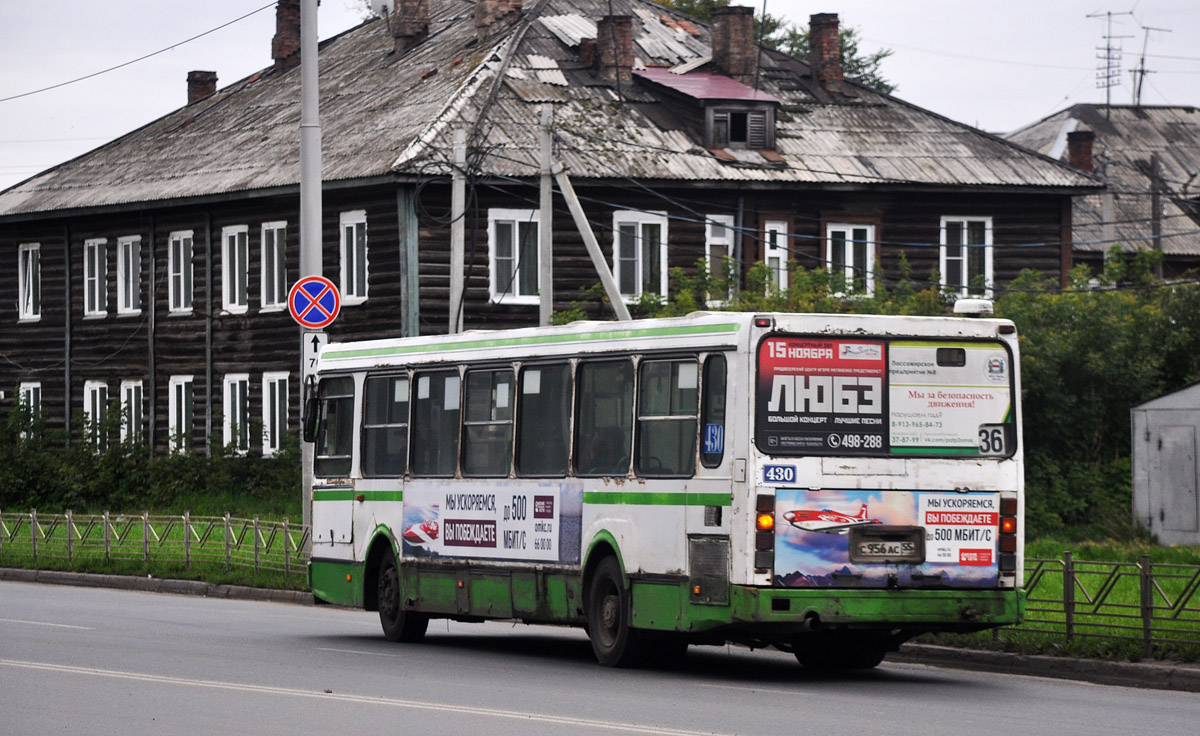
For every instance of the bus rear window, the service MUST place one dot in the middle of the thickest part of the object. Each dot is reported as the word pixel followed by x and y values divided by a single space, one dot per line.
pixel 852 396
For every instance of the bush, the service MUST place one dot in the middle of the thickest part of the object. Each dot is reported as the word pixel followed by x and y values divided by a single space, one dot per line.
pixel 1089 353
pixel 40 469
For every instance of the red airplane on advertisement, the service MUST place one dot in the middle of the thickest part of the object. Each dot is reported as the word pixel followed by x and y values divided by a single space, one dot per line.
pixel 827 521
pixel 421 534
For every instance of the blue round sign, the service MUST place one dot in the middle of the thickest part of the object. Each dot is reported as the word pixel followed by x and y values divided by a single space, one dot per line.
pixel 314 302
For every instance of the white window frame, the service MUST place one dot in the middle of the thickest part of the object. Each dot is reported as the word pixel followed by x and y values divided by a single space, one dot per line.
pixel 274 266
pixel 354 257
pixel 235 273
pixel 95 409
pixel 775 232
pixel 853 272
pixel 274 411
pixel 235 393
pixel 179 437
pixel 129 274
pixel 95 277
pixel 29 293
pixel 510 278
pixel 29 393
pixel 180 275
pixel 958 253
pixel 133 411
pixel 718 244
pixel 639 219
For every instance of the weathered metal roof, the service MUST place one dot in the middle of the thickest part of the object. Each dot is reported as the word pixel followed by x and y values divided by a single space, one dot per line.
pixel 385 113
pixel 1126 139
pixel 704 85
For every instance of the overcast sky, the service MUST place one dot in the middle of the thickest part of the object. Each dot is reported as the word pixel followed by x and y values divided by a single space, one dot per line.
pixel 997 65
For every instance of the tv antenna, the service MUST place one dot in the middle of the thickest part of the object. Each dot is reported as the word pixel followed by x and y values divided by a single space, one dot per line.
pixel 1139 74
pixel 1108 71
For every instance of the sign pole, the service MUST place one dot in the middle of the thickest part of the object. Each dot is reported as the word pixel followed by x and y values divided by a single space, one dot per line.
pixel 310 202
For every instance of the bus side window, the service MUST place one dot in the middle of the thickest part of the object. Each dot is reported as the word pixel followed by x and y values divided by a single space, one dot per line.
pixel 668 400
pixel 385 427
pixel 604 420
pixel 712 448
pixel 335 428
pixel 487 426
pixel 435 414
pixel 544 421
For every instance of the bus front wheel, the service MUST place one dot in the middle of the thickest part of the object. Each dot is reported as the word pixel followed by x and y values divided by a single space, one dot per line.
pixel 613 640
pixel 398 624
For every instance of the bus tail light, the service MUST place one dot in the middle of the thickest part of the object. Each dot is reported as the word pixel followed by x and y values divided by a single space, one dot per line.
pixel 1008 535
pixel 764 536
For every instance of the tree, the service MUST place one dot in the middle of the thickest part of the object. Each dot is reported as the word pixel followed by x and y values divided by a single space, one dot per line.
pixel 792 39
pixel 856 65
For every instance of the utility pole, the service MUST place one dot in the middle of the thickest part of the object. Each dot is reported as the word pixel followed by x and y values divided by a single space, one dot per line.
pixel 458 213
pixel 1139 74
pixel 310 203
pixel 1156 211
pixel 546 220
pixel 1108 75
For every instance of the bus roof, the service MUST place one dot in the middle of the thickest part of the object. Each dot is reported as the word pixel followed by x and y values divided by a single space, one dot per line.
pixel 699 330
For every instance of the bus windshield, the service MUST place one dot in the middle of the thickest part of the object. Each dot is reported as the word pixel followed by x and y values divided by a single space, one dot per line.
pixel 884 397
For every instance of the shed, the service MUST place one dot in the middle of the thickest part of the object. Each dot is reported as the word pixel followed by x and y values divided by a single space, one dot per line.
pixel 1165 467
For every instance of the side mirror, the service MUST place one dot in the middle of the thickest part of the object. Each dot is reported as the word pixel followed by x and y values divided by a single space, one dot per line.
pixel 311 419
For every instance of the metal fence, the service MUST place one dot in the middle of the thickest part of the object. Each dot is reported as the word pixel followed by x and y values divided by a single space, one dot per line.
pixel 252 543
pixel 1151 603
pixel 1155 604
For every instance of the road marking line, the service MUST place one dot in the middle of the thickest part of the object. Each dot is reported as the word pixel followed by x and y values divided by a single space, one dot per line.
pixel 525 716
pixel 355 651
pixel 44 623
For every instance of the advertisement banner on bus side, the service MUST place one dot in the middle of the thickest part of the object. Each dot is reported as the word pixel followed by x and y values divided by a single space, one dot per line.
pixel 954 534
pixel 496 521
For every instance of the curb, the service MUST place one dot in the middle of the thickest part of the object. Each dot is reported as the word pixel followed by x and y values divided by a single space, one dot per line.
pixel 1179 676
pixel 155 585
pixel 1159 676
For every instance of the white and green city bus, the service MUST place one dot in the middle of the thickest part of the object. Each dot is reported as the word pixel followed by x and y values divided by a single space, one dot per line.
pixel 830 485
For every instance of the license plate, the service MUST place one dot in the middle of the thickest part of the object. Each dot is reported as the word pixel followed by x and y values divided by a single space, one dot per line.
pixel 887 545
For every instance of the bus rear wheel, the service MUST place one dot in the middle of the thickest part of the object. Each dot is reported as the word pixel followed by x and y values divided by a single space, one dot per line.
pixel 614 642
pixel 398 624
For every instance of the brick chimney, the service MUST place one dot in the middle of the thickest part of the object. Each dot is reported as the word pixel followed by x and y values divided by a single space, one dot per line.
pixel 1079 150
pixel 733 48
pixel 614 48
pixel 285 46
pixel 490 14
pixel 410 23
pixel 825 51
pixel 201 85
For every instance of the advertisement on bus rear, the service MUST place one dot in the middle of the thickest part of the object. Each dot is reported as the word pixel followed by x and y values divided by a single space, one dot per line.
pixel 874 539
pixel 530 521
pixel 860 397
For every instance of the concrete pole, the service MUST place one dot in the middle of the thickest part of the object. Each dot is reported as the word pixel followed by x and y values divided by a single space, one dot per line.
pixel 458 207
pixel 546 222
pixel 310 202
pixel 593 247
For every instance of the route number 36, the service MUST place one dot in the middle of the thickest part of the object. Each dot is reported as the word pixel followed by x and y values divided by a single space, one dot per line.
pixel 991 439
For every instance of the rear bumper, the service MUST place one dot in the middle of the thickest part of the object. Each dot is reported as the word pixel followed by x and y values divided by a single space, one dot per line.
pixel 934 610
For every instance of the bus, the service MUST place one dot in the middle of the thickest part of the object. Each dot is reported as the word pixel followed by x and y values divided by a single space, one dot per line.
pixel 829 485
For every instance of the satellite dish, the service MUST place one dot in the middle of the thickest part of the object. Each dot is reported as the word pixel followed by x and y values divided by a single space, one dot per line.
pixel 382 7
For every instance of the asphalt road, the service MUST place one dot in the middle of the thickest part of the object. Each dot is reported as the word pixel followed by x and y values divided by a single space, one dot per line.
pixel 95 661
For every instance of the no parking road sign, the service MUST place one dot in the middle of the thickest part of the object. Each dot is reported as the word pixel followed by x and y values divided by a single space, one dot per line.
pixel 314 302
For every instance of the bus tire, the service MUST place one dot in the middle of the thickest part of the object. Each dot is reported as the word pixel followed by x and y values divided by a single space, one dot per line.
pixel 398 624
pixel 614 642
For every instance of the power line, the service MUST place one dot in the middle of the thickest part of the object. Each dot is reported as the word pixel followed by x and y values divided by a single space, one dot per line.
pixel 134 61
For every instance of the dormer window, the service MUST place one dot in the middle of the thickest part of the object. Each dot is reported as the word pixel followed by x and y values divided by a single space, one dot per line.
pixel 741 128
